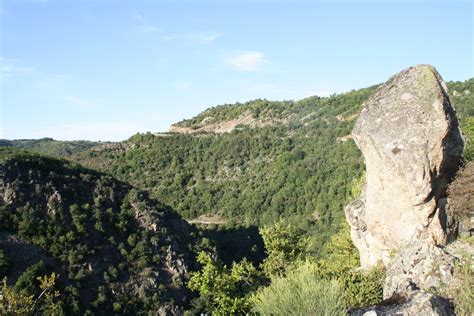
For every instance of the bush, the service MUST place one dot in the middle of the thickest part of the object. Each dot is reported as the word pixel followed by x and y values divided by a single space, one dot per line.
pixel 468 130
pixel 27 283
pixel 301 292
pixel 223 290
pixel 461 197
pixel 361 288
pixel 46 302
pixel 284 245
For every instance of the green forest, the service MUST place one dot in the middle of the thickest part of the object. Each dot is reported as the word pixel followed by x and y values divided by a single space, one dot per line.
pixel 302 171
pixel 49 146
pixel 209 223
pixel 104 239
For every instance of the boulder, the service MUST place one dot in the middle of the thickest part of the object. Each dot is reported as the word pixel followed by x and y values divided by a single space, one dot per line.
pixel 409 136
pixel 421 266
pixel 419 303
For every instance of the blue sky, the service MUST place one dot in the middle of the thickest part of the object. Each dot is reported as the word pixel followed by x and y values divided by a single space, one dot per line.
pixel 106 69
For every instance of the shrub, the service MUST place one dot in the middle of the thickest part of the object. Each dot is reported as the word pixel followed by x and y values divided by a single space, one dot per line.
pixel 27 283
pixel 223 290
pixel 361 288
pixel 468 130
pixel 301 292
pixel 46 302
pixel 461 197
pixel 284 245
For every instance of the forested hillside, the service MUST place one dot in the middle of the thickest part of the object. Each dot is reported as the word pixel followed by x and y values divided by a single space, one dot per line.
pixel 116 250
pixel 49 146
pixel 301 170
pixel 301 167
pixel 116 247
pixel 462 96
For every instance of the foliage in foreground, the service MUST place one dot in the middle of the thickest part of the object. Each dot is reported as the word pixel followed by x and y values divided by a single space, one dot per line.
pixel 284 245
pixel 301 292
pixel 224 289
pixel 14 302
pixel 338 266
pixel 227 290
pixel 361 288
pixel 290 277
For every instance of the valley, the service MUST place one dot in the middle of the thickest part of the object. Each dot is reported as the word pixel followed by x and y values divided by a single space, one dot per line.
pixel 128 219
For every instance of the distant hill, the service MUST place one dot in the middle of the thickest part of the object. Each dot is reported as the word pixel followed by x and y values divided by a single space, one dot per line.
pixel 299 165
pixel 49 146
pixel 117 250
pixel 291 159
pixel 226 118
pixel 104 225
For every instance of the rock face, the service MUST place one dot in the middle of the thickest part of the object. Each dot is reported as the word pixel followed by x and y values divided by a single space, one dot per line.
pixel 419 266
pixel 418 304
pixel 409 136
pixel 245 119
pixel 426 268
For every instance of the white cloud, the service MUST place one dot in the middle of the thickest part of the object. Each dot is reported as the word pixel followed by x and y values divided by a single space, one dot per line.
pixel 247 61
pixel 10 67
pixel 150 29
pixel 78 101
pixel 199 37
pixel 205 37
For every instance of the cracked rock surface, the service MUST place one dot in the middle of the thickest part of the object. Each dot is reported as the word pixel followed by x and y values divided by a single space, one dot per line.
pixel 409 136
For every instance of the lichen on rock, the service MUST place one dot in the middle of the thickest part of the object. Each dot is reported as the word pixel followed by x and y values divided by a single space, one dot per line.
pixel 409 136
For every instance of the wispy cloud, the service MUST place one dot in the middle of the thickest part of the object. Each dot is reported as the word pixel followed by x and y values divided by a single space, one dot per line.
pixel 144 25
pixel 10 67
pixel 201 37
pixel 46 84
pixel 205 37
pixel 79 101
pixel 247 61
pixel 150 29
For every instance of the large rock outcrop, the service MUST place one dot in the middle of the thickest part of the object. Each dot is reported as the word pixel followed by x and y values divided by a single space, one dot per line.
pixel 409 136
